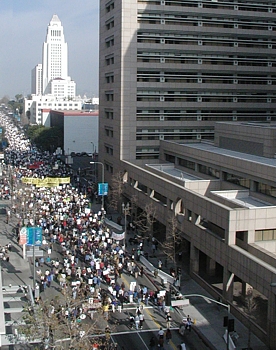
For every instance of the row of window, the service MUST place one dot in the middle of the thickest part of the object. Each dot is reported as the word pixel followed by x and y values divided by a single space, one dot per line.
pixel 200 42
pixel 202 113
pixel 228 5
pixel 59 104
pixel 189 20
pixel 263 118
pixel 229 177
pixel 176 96
pixel 205 61
pixel 179 98
pixel 265 235
pixel 201 79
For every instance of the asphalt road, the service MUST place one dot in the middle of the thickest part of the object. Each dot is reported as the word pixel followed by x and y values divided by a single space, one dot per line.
pixel 131 339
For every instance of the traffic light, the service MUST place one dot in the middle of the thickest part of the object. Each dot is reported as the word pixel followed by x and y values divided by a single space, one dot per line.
pixel 179 270
pixel 168 299
pixel 231 325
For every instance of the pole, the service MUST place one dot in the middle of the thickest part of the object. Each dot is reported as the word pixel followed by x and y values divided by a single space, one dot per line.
pixel 34 263
pixel 102 183
pixel 93 149
pixel 34 209
pixel 103 193
pixel 228 313
pixel 125 225
pixel 217 302
pixel 124 211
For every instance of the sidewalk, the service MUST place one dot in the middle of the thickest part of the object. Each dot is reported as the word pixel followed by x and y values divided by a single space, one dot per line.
pixel 208 315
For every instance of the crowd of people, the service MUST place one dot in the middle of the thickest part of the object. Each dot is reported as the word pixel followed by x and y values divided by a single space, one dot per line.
pixel 89 256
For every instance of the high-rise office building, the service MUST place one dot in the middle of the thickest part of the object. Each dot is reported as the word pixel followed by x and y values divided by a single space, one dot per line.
pixel 36 88
pixel 170 69
pixel 55 79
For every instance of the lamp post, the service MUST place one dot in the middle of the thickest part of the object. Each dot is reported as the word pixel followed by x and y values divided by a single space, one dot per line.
pixel 125 208
pixel 93 149
pixel 102 183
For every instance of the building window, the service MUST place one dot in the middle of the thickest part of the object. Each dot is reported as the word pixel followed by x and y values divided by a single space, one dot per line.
pixel 109 7
pixel 265 235
pixel 109 96
pixel 186 163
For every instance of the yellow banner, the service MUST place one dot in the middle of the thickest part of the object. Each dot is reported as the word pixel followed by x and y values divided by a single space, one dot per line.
pixel 47 182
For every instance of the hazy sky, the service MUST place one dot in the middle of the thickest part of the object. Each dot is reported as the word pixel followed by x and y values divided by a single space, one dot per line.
pixel 23 26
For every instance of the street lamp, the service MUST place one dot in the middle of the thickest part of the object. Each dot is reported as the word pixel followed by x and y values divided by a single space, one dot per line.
pixel 93 148
pixel 102 183
pixel 125 208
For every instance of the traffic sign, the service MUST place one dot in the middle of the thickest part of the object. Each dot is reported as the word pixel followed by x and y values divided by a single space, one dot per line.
pixel 34 236
pixel 102 189
pixel 23 235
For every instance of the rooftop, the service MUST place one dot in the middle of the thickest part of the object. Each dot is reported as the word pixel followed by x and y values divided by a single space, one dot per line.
pixel 207 147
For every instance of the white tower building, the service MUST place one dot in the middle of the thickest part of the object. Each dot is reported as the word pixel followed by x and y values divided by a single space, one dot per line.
pixel 37 79
pixel 55 62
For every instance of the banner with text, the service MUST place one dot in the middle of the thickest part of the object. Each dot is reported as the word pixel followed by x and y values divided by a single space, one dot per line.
pixel 47 182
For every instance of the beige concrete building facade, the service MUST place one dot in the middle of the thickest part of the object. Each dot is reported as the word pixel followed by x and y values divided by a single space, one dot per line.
pixel 169 71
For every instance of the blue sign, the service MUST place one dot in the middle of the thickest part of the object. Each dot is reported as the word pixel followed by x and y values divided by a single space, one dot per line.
pixel 34 236
pixel 102 189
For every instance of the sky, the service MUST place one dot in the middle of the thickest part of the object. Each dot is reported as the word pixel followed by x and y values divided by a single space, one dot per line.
pixel 23 27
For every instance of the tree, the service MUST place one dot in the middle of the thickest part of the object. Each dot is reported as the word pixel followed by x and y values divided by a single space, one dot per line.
pixel 56 324
pixel 116 191
pixel 5 99
pixel 250 305
pixel 145 220
pixel 18 97
pixel 47 139
pixel 173 240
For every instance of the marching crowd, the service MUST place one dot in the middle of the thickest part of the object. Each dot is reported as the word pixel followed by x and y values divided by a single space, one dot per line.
pixel 90 256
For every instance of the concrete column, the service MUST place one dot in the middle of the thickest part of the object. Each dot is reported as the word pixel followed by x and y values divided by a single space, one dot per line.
pixel 194 260
pixel 246 288
pixel 251 236
pixel 227 285
pixel 211 266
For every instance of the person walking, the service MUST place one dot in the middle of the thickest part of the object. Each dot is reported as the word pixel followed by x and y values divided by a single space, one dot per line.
pixel 161 338
pixel 141 318
pixel 160 264
pixel 168 320
pixel 189 323
pixel 136 271
pixel 137 321
pixel 168 335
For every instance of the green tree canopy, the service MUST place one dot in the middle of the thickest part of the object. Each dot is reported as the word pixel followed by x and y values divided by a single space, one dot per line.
pixel 45 138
